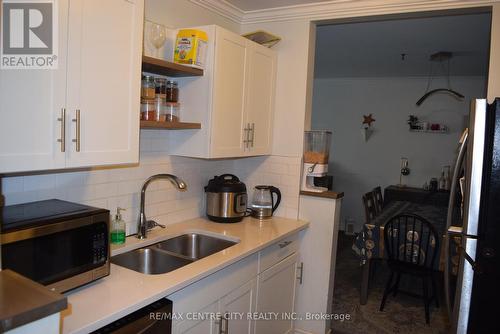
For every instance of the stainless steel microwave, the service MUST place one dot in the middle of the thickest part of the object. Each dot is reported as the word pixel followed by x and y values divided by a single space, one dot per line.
pixel 59 244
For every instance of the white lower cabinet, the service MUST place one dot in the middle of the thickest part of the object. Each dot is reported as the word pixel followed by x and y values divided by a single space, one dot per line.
pixel 229 300
pixel 236 306
pixel 225 315
pixel 203 325
pixel 276 296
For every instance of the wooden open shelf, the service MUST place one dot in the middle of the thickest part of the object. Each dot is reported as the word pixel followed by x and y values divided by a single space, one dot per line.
pixel 167 68
pixel 169 125
pixel 430 131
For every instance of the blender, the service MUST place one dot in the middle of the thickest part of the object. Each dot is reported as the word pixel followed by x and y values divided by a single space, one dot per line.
pixel 316 153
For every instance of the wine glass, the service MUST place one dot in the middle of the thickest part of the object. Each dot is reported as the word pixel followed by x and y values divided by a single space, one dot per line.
pixel 157 36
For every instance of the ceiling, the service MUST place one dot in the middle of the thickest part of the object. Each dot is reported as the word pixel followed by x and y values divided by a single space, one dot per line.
pixel 248 5
pixel 373 49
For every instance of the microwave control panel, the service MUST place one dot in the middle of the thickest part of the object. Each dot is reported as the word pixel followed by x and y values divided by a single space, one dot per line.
pixel 100 244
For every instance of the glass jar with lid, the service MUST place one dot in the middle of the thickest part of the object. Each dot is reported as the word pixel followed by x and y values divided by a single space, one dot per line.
pixel 148 87
pixel 161 87
pixel 160 109
pixel 172 111
pixel 172 91
pixel 148 110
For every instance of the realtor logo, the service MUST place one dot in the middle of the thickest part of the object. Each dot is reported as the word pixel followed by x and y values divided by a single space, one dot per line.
pixel 29 39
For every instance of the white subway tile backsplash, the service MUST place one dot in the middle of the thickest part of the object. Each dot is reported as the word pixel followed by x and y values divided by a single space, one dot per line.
pixel 96 176
pixel 294 170
pixel 105 190
pixel 64 180
pixel 120 186
pixel 99 203
pixel 159 145
pixel 145 144
pixel 129 187
pixel 39 182
pixel 21 197
pixel 80 194
pixel 12 185
pixel 277 168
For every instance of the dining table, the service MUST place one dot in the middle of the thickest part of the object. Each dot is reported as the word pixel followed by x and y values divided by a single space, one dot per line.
pixel 369 243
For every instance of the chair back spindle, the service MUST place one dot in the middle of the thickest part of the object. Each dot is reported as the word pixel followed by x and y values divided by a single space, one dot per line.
pixel 379 200
pixel 369 205
pixel 411 240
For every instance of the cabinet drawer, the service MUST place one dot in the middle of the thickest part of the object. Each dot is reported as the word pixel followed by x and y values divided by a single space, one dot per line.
pixel 212 287
pixel 278 251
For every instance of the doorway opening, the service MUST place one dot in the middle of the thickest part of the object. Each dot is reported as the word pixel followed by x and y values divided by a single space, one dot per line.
pixel 369 75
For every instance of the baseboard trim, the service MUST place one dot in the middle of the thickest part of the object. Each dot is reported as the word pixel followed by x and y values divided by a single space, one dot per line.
pixel 299 331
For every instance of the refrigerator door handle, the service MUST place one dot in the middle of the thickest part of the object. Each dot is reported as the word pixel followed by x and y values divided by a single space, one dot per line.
pixel 475 266
pixel 451 204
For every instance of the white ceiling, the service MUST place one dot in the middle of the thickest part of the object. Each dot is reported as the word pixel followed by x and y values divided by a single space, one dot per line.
pixel 372 49
pixel 247 5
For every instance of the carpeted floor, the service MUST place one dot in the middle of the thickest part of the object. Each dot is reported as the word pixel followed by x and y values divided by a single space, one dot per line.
pixel 402 314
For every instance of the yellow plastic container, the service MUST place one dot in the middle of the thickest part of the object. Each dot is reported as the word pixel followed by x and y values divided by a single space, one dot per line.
pixel 191 47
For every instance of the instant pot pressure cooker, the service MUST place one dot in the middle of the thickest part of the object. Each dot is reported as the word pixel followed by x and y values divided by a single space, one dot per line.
pixel 226 199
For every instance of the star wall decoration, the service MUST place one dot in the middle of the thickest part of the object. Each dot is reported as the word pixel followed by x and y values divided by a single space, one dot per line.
pixel 368 119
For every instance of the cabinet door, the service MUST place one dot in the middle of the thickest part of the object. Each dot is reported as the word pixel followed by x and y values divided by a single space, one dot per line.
pixel 31 101
pixel 230 73
pixel 104 68
pixel 199 326
pixel 237 304
pixel 276 293
pixel 259 106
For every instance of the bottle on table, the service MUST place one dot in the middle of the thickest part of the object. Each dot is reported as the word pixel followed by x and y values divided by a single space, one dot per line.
pixel 442 182
pixel 447 177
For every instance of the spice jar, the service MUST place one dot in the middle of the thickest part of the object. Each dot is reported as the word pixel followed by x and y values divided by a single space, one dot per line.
pixel 160 109
pixel 172 111
pixel 148 87
pixel 172 91
pixel 148 110
pixel 161 87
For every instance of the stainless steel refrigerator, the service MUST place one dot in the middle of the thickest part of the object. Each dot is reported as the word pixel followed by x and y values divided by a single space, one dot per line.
pixel 473 239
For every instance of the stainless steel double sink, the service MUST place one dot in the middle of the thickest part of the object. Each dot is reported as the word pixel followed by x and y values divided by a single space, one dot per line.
pixel 171 254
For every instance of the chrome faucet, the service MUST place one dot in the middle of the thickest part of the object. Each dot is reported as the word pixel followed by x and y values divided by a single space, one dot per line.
pixel 144 225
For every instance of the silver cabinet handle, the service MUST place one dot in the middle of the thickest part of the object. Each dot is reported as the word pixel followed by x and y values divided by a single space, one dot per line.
pixel 246 141
pixel 62 140
pixel 77 121
pixel 223 325
pixel 284 244
pixel 252 128
pixel 301 272
pixel 226 327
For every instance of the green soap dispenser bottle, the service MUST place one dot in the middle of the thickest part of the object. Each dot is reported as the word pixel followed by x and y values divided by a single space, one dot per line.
pixel 118 228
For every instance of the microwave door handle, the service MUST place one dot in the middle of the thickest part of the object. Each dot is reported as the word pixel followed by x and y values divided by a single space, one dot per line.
pixel 449 216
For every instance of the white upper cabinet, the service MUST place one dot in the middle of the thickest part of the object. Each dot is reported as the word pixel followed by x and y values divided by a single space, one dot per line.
pixel 260 98
pixel 104 78
pixel 234 100
pixel 230 73
pixel 31 101
pixel 98 77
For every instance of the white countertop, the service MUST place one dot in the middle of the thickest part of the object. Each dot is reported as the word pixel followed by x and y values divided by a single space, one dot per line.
pixel 124 291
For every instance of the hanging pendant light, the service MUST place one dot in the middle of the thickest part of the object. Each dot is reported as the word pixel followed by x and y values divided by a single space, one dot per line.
pixel 440 57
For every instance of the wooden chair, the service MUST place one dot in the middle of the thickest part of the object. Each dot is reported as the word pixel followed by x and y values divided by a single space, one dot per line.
pixel 379 200
pixel 411 244
pixel 369 204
